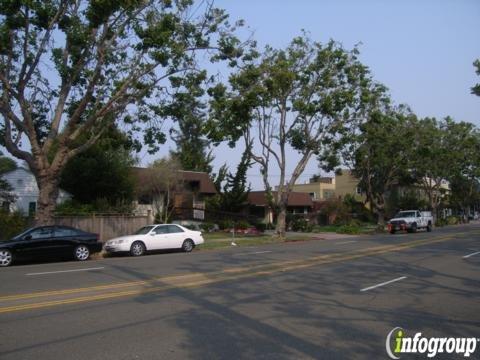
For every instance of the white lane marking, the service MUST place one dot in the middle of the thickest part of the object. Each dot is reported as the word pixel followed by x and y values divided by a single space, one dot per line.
pixel 384 283
pixel 347 242
pixel 253 253
pixel 472 254
pixel 64 271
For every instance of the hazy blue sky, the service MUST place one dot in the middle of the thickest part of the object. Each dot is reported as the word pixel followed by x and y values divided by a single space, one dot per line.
pixel 422 50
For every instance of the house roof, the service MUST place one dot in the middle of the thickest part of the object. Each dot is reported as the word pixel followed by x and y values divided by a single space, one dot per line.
pixel 143 177
pixel 259 198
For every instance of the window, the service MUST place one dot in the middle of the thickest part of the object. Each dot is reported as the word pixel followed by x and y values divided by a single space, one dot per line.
pixel 358 191
pixel 313 195
pixel 144 230
pixel 32 207
pixel 63 232
pixel 20 182
pixel 162 229
pixel 41 233
pixel 145 199
pixel 174 229
pixel 328 194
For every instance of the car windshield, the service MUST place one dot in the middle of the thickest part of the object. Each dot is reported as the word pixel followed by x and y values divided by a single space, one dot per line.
pixel 405 214
pixel 144 230
pixel 21 235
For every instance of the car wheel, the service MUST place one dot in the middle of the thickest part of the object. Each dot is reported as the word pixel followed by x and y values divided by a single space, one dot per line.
pixel 429 227
pixel 81 253
pixel 392 231
pixel 188 245
pixel 6 257
pixel 414 228
pixel 137 249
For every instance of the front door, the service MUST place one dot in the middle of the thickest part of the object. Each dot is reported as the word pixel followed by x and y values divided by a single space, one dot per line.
pixel 36 243
pixel 158 238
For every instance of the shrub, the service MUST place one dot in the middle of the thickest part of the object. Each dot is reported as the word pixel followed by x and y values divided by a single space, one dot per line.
pixel 242 225
pixel 299 223
pixel 225 224
pixel 11 224
pixel 348 229
pixel 452 220
pixel 207 226
pixel 261 227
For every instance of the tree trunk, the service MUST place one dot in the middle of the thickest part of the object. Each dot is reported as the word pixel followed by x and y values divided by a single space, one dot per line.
pixel 47 200
pixel 381 218
pixel 280 229
pixel 434 207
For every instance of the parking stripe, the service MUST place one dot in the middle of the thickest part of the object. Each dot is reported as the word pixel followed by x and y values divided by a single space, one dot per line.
pixel 64 271
pixel 383 284
pixel 472 254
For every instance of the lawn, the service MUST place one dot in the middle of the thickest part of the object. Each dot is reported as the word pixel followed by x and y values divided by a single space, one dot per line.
pixel 219 240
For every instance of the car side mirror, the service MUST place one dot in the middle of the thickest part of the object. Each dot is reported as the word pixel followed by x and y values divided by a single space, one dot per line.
pixel 28 237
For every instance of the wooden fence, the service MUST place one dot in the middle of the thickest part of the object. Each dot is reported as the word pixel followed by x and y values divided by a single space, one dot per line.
pixel 106 226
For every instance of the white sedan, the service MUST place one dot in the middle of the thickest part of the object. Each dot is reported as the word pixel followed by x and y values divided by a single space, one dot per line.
pixel 155 237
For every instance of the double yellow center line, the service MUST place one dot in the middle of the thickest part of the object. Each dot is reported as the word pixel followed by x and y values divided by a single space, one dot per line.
pixel 31 301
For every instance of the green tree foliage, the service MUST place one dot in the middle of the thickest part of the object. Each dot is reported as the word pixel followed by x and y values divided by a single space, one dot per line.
pixel 476 88
pixel 101 172
pixel 232 197
pixel 68 69
pixel 444 150
pixel 382 159
pixel 6 165
pixel 293 100
pixel 188 110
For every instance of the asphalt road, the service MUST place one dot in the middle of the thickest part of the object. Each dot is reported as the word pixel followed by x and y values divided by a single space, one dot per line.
pixel 326 299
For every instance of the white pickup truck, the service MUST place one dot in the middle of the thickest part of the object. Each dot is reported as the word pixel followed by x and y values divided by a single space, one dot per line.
pixel 411 221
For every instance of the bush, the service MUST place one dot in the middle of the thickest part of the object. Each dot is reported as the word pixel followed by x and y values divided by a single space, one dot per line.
pixel 72 207
pixel 349 229
pixel 225 224
pixel 299 223
pixel 242 225
pixel 207 226
pixel 261 227
pixel 452 220
pixel 11 224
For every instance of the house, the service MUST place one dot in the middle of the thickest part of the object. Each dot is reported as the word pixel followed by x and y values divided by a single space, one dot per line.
pixel 25 192
pixel 182 193
pixel 298 203
pixel 346 183
pixel 319 188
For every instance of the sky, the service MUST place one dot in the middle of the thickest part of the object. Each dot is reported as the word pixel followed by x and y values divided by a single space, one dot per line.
pixel 422 50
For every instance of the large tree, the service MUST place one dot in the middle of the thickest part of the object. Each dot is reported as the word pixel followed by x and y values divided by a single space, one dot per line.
pixel 289 104
pixel 440 151
pixel 101 172
pixel 383 156
pixel 68 68
pixel 188 110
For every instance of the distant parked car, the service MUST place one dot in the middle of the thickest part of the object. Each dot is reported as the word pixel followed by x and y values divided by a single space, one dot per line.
pixel 155 237
pixel 52 242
